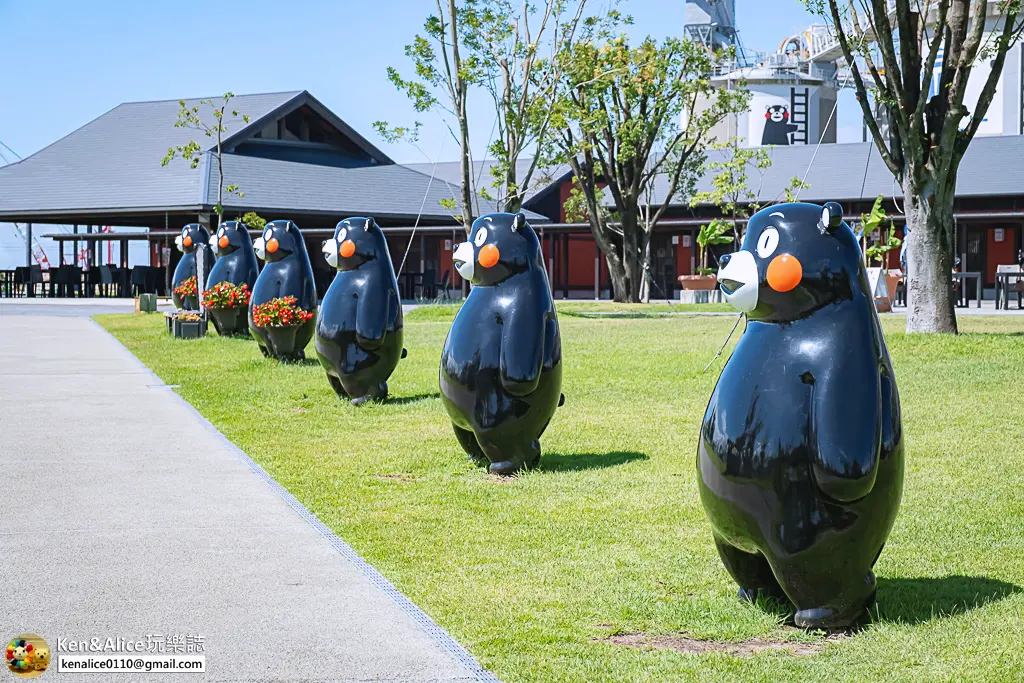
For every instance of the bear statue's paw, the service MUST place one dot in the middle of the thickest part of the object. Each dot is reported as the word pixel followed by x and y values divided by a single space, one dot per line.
pixel 505 468
pixel 752 594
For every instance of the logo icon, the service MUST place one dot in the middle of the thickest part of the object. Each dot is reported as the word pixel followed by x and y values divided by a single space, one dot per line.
pixel 28 655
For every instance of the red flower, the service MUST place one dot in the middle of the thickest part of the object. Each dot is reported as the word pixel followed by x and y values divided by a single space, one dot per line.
pixel 280 312
pixel 227 295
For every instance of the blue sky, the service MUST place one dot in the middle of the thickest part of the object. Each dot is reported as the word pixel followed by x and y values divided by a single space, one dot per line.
pixel 66 62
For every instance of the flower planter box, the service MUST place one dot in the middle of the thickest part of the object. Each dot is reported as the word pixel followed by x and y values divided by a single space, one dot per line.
pixel 698 282
pixel 189 329
pixel 283 345
pixel 231 322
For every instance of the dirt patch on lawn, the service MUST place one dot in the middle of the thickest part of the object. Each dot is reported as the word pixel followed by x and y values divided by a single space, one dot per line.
pixel 741 648
pixel 404 478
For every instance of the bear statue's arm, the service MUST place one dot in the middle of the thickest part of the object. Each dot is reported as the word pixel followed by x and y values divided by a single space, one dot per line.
pixel 846 419
pixel 522 349
pixel 372 316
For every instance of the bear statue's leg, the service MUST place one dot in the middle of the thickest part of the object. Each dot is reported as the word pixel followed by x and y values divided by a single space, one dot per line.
pixel 827 594
pixel 469 444
pixel 751 571
pixel 509 458
pixel 336 385
pixel 376 394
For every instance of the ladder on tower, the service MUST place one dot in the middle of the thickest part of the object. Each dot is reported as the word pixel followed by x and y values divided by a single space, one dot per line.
pixel 798 101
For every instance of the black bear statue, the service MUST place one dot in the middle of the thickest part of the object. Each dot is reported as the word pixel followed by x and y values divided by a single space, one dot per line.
pixel 237 264
pixel 501 365
pixel 286 273
pixel 193 237
pixel 800 457
pixel 359 326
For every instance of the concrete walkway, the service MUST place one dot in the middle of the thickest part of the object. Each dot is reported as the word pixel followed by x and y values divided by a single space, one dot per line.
pixel 123 513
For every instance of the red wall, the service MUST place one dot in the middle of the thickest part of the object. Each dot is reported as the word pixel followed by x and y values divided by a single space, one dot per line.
pixel 1000 253
pixel 446 260
pixel 683 255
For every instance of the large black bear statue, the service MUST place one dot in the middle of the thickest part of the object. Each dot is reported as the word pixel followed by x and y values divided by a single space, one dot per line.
pixel 501 365
pixel 193 237
pixel 359 327
pixel 237 264
pixel 287 272
pixel 800 458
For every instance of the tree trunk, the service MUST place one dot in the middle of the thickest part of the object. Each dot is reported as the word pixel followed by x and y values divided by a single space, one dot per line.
pixel 467 194
pixel 929 257
pixel 620 285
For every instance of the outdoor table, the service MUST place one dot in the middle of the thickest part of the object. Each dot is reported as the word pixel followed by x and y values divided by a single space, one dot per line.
pixel 7 283
pixel 961 283
pixel 1003 290
pixel 409 284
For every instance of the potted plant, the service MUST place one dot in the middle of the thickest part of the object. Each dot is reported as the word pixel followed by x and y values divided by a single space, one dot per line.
pixel 715 232
pixel 871 223
pixel 188 293
pixel 228 305
pixel 280 319
pixel 189 325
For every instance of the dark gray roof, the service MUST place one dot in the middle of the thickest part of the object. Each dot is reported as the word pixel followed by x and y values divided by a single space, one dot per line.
pixel 451 172
pixel 989 168
pixel 112 165
pixel 114 161
pixel 384 191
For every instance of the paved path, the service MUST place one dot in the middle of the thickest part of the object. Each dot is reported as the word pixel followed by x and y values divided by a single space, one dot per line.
pixel 124 513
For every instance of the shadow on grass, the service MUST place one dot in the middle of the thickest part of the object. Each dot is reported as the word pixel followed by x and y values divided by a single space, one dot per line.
pixel 406 400
pixel 917 600
pixel 556 462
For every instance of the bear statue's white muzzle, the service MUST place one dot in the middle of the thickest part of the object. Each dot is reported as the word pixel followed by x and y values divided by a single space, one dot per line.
pixel 178 244
pixel 260 247
pixel 463 258
pixel 739 281
pixel 331 252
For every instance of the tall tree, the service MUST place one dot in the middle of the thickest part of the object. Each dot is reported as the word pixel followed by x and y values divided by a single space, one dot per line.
pixel 628 116
pixel 519 45
pixel 192 117
pixel 921 123
pixel 441 84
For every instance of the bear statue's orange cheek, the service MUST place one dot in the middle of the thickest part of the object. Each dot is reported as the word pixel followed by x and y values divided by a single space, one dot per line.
pixel 784 273
pixel 488 256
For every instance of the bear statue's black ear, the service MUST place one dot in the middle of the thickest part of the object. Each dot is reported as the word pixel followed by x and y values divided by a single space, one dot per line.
pixel 831 217
pixel 518 222
pixel 369 222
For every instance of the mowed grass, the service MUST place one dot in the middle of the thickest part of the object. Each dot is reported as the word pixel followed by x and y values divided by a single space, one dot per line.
pixel 534 574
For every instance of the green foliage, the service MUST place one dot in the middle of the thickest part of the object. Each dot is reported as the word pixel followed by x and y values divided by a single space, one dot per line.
pixel 731 191
pixel 793 189
pixel 874 221
pixel 519 46
pixel 192 117
pixel 715 232
pixel 629 114
pixel 254 221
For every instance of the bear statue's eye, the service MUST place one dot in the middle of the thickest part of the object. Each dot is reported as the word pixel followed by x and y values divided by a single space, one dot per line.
pixel 342 234
pixel 481 237
pixel 268 234
pixel 767 242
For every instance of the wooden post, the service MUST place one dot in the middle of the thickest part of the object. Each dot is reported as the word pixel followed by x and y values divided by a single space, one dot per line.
pixel 28 244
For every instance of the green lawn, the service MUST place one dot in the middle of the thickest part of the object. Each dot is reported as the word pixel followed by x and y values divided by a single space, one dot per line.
pixel 535 575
